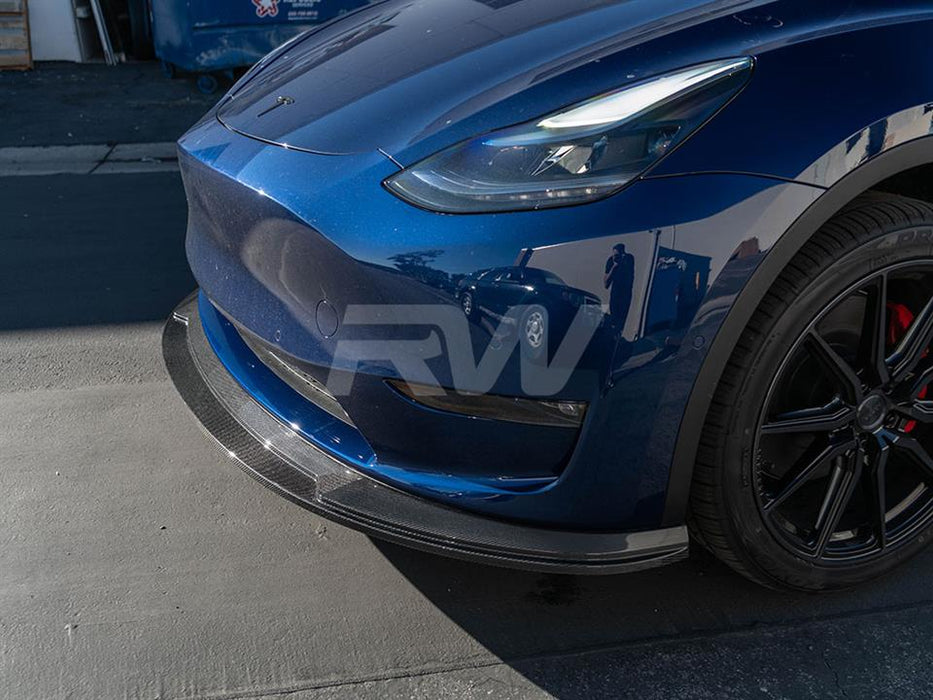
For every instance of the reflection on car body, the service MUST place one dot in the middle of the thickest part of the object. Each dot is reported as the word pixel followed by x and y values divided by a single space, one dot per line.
pixel 548 305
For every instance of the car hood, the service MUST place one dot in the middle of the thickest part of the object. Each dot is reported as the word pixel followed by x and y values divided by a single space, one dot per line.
pixel 398 73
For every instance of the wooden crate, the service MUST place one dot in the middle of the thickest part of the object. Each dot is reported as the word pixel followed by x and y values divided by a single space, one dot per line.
pixel 15 50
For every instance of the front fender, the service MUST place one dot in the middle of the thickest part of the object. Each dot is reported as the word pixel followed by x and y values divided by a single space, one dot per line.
pixel 894 160
pixel 817 109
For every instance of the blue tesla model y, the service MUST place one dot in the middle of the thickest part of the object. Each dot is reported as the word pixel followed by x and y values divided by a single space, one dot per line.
pixel 566 284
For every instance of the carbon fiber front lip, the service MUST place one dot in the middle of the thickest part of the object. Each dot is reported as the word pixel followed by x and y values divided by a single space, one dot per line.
pixel 272 453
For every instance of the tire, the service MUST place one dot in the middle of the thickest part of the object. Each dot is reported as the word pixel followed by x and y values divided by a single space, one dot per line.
pixel 468 304
pixel 208 84
pixel 772 524
pixel 168 69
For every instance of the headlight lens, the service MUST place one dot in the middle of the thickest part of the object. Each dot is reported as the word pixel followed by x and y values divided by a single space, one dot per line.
pixel 582 153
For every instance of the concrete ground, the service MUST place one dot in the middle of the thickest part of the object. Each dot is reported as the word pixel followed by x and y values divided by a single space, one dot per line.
pixel 137 561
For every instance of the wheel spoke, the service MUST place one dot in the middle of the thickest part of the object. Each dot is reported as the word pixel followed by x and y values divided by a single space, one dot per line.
pixel 920 411
pixel 874 328
pixel 921 382
pixel 875 496
pixel 820 419
pixel 838 495
pixel 916 451
pixel 803 474
pixel 834 364
pixel 912 346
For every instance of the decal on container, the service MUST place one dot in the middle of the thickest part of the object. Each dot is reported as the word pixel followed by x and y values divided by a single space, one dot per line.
pixel 266 8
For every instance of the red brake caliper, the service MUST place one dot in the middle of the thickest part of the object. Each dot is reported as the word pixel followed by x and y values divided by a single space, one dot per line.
pixel 899 320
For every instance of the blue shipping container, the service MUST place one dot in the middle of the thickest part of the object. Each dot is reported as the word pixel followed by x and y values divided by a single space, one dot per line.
pixel 208 36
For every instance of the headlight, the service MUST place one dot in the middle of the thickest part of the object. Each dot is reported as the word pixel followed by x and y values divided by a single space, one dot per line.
pixel 579 154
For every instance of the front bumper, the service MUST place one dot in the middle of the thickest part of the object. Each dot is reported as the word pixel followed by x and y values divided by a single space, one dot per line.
pixel 277 456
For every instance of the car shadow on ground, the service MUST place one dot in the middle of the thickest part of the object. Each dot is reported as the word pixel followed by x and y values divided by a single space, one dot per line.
pixel 525 618
pixel 91 249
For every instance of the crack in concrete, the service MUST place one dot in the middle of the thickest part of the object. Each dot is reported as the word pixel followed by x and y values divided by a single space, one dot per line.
pixel 88 159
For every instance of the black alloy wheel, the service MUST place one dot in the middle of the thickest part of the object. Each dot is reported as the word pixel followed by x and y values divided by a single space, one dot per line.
pixel 843 469
pixel 815 470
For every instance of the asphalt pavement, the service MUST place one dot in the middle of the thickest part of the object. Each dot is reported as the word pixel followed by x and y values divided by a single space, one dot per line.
pixel 137 561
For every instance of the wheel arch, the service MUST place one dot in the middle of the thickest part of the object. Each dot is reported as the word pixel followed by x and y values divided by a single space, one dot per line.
pixel 883 167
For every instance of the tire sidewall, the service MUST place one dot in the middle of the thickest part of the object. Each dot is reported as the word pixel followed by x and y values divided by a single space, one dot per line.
pixel 472 304
pixel 771 557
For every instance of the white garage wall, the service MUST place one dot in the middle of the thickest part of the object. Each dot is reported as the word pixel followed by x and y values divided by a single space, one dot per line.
pixel 53 31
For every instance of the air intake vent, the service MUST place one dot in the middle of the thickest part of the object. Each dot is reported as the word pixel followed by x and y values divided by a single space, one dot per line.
pixel 302 382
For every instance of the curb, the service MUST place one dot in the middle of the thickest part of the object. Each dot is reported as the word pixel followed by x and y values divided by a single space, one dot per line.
pixel 102 159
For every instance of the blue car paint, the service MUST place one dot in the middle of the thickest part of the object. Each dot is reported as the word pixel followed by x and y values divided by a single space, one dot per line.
pixel 289 406
pixel 327 432
pixel 402 72
pixel 815 61
pixel 270 300
pixel 275 230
